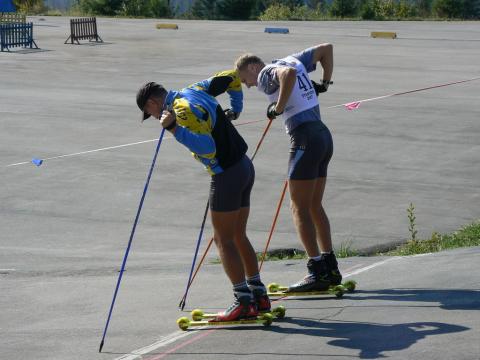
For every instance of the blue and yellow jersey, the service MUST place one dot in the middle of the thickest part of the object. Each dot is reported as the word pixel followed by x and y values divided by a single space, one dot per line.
pixel 224 81
pixel 195 113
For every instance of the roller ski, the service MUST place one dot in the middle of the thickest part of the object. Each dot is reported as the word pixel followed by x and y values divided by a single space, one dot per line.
pixel 243 311
pixel 337 290
pixel 277 313
pixel 323 278
pixel 263 319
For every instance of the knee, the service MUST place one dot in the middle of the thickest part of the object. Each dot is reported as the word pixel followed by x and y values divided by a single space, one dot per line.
pixel 223 242
pixel 299 211
pixel 317 208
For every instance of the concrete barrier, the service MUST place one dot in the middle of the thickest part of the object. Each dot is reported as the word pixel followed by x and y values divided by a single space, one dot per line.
pixel 167 26
pixel 383 34
pixel 277 30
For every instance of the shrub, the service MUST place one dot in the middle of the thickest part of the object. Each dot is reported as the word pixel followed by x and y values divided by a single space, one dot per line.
pixel 452 9
pixel 276 12
pixel 344 8
pixel 101 7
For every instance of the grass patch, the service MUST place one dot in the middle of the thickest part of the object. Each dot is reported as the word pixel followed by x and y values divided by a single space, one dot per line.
pixel 283 254
pixel 465 237
pixel 344 251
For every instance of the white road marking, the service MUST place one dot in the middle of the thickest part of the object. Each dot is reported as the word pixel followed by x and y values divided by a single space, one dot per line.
pixel 369 267
pixel 177 335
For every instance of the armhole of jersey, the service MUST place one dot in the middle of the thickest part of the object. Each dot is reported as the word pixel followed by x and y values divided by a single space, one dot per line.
pixel 219 85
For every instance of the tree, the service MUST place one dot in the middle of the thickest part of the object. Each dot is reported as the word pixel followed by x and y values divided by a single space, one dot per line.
pixel 146 8
pixel 344 8
pixel 29 6
pixel 205 9
pixel 259 7
pixel 452 9
pixel 291 3
pixel 369 10
pixel 406 9
pixel 235 9
pixel 101 7
pixel 424 7
pixel 471 9
pixel 135 8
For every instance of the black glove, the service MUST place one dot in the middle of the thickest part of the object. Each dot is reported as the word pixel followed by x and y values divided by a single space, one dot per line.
pixel 322 87
pixel 271 112
pixel 231 115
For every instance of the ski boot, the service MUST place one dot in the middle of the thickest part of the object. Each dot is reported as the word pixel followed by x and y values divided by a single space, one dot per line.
pixel 242 308
pixel 315 280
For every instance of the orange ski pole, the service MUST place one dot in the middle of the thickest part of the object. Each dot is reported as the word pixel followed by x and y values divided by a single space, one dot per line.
pixel 273 223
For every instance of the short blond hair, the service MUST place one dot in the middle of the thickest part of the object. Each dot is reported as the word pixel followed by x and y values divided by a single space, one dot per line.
pixel 246 59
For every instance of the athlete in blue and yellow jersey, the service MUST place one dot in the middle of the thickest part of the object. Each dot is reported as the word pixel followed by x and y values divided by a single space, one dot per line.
pixel 291 92
pixel 225 81
pixel 197 121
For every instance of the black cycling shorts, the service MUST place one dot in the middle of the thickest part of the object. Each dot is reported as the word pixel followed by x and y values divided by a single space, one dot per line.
pixel 230 190
pixel 310 152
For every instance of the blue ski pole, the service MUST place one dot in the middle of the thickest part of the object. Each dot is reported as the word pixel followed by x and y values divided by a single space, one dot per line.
pixel 130 241
pixel 182 302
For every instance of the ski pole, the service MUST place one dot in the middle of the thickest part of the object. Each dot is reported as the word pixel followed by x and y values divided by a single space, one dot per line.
pixel 130 240
pixel 261 139
pixel 182 303
pixel 273 224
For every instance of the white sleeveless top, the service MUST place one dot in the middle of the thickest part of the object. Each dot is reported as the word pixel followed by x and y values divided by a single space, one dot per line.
pixel 303 95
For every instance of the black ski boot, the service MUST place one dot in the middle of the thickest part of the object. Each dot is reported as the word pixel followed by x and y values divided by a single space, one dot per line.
pixel 315 280
pixel 333 274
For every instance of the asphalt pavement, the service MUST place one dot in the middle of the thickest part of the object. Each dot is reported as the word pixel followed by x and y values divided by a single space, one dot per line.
pixel 65 224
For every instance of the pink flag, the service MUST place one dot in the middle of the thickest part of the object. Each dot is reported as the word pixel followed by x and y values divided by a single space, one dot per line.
pixel 353 105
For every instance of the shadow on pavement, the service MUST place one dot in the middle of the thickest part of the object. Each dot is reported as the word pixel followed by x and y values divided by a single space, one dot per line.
pixel 370 339
pixel 449 299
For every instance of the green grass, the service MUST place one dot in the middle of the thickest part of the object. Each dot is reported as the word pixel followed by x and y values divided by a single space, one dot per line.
pixel 344 251
pixel 283 254
pixel 466 236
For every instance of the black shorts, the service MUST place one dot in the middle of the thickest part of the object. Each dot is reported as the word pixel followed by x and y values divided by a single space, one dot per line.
pixel 230 190
pixel 310 152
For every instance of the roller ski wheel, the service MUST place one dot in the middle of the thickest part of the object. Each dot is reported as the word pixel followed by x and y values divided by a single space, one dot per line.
pixel 183 323
pixel 338 291
pixel 274 287
pixel 277 312
pixel 350 285
pixel 197 314
pixel 267 318
pixel 264 319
